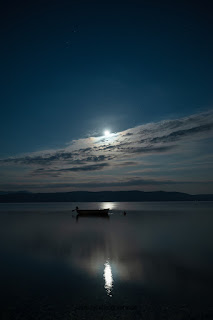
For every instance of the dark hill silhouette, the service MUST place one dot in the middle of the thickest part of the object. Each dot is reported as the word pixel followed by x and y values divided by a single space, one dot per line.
pixel 86 196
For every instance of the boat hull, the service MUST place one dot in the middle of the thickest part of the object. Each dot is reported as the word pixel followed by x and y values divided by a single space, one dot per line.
pixel 93 213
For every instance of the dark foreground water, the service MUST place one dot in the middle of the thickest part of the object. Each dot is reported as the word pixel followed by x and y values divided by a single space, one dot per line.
pixel 154 263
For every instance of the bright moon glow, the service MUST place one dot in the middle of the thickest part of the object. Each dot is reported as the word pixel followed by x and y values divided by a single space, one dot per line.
pixel 108 278
pixel 106 133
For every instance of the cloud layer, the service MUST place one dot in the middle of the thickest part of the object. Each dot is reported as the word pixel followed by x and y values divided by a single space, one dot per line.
pixel 120 151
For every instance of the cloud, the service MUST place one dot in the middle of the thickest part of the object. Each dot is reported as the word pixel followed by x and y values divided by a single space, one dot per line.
pixel 95 184
pixel 128 163
pixel 180 134
pixel 128 134
pixel 39 159
pixel 57 172
pixel 63 156
pixel 148 149
pixel 99 153
pixel 91 167
pixel 129 182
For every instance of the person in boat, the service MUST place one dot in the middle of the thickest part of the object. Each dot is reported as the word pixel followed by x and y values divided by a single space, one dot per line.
pixel 76 208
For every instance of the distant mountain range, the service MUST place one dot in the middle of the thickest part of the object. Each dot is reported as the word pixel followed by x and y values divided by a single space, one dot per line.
pixel 86 196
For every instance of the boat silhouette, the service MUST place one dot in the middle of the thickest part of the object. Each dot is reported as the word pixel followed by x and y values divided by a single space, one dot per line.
pixel 91 213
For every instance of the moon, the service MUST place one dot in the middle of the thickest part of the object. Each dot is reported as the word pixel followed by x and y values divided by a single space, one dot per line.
pixel 106 133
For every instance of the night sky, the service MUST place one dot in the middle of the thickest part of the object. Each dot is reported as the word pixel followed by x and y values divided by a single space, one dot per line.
pixel 72 69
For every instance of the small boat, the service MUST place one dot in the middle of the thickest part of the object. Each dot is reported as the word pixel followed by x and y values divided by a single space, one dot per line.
pixel 93 213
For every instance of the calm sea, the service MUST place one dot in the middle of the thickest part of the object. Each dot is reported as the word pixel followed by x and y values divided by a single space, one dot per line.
pixel 156 262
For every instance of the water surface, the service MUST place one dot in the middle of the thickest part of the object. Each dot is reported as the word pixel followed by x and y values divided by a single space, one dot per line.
pixel 154 262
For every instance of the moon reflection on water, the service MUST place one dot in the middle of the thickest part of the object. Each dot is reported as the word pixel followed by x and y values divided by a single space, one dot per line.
pixel 108 278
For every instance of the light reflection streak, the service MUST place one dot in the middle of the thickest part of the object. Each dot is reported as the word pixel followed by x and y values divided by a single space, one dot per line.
pixel 108 278
pixel 108 205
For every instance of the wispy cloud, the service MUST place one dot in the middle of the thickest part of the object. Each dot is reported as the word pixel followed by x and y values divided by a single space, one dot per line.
pixel 180 134
pixel 150 138
pixel 121 149
pixel 96 185
pixel 57 172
